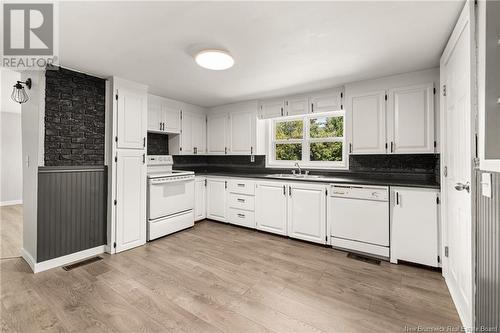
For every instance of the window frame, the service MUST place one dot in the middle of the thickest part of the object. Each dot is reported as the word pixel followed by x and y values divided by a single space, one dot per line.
pixel 305 161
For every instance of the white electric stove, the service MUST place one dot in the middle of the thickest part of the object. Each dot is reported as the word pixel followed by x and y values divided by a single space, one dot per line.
pixel 170 206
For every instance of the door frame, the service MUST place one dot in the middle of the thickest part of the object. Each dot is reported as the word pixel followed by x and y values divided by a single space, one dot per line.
pixel 467 17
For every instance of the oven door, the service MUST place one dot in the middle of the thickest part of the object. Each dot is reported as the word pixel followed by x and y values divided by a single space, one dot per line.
pixel 170 197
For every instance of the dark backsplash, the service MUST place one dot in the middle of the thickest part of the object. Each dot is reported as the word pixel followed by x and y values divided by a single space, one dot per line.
pixel 408 164
pixel 157 144
pixel 74 118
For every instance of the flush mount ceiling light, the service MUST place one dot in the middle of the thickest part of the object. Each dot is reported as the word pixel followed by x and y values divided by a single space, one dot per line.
pixel 216 60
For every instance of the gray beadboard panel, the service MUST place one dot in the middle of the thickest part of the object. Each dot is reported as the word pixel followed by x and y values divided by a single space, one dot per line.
pixel 71 210
pixel 488 255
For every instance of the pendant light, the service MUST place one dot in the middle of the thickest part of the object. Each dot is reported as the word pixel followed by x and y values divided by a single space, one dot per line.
pixel 19 95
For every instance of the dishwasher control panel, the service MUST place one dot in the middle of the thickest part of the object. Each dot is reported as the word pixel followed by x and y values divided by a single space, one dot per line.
pixel 364 192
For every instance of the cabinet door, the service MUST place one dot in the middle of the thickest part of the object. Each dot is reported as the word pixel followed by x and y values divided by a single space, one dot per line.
pixel 199 130
pixel 326 101
pixel 216 199
pixel 199 199
pixel 242 133
pixel 307 212
pixel 414 226
pixel 154 115
pixel 411 119
pixel 368 114
pixel 171 119
pixel 271 207
pixel 186 134
pixel 297 105
pixel 272 108
pixel 130 199
pixel 217 133
pixel 131 119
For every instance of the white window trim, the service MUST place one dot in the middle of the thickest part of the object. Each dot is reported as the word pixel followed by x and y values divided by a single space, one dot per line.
pixel 305 141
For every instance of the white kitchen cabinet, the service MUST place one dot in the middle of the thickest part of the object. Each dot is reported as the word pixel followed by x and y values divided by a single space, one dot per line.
pixel 200 198
pixel 186 136
pixel 296 105
pixel 410 112
pixel 130 199
pixel 415 227
pixel 326 100
pixel 307 212
pixel 271 207
pixel 216 199
pixel 368 125
pixel 272 108
pixel 131 115
pixel 163 115
pixel 198 133
pixel 242 132
pixel 217 132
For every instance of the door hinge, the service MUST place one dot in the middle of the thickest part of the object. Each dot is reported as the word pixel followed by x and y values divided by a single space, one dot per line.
pixel 114 245
pixel 116 158
pixel 116 97
pixel 444 89
pixel 341 107
pixel 326 238
pixel 438 201
pixel 446 251
pixel 341 95
pixel 181 114
pixel 205 182
pixel 116 139
pixel 439 259
pixel 434 91
pixel 114 202
pixel 445 172
pixel 386 97
pixel 326 192
pixel 143 158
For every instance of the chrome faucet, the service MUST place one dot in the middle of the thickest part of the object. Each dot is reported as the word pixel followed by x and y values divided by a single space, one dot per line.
pixel 298 167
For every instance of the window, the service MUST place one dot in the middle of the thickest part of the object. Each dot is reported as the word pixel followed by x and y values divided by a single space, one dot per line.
pixel 315 140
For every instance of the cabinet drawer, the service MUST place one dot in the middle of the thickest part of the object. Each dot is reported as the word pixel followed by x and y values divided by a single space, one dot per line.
pixel 241 186
pixel 242 201
pixel 241 217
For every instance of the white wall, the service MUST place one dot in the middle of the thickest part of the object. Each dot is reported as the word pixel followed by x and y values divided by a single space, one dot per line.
pixel 11 172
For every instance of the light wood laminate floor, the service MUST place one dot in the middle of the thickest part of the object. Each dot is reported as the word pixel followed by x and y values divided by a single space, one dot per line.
pixel 11 231
pixel 220 278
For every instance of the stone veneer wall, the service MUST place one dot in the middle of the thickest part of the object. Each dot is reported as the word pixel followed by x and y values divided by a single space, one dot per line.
pixel 74 119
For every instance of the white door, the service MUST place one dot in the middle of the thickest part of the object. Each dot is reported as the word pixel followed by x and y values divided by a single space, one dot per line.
pixel 414 232
pixel 130 199
pixel 307 212
pixel 199 199
pixel 326 101
pixel 297 106
pixel 242 132
pixel 217 133
pixel 171 118
pixel 131 119
pixel 154 114
pixel 199 133
pixel 216 199
pixel 368 114
pixel 410 113
pixel 456 163
pixel 272 108
pixel 187 134
pixel 271 207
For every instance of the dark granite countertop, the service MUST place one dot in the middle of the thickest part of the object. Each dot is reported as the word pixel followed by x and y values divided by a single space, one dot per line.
pixel 360 178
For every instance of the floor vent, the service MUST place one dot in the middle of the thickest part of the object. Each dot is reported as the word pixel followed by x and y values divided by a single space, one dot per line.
pixel 81 263
pixel 363 258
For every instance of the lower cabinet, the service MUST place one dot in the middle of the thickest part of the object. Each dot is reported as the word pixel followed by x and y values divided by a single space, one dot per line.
pixel 415 225
pixel 271 207
pixel 307 212
pixel 200 198
pixel 216 199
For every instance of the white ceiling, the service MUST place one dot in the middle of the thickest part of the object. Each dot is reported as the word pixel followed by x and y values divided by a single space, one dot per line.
pixel 279 47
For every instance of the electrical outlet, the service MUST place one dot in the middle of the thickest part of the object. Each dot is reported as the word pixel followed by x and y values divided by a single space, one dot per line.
pixel 252 158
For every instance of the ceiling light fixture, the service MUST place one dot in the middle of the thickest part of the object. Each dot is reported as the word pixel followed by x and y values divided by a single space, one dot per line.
pixel 19 95
pixel 216 60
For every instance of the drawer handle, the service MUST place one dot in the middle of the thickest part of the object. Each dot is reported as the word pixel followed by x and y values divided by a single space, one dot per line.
pixel 241 215
pixel 241 200
pixel 241 185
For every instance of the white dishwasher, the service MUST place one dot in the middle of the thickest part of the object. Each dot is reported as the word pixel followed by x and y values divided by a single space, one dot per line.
pixel 359 218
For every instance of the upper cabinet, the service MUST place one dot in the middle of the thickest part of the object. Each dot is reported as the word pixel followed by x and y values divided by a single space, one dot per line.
pixel 131 114
pixel 193 132
pixel 217 129
pixel 411 119
pixel 319 101
pixel 163 115
pixel 396 118
pixel 242 132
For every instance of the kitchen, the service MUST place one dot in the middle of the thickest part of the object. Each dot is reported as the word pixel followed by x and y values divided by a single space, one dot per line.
pixel 279 177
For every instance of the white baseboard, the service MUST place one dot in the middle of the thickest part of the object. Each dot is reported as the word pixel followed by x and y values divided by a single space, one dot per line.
pixel 61 261
pixel 11 202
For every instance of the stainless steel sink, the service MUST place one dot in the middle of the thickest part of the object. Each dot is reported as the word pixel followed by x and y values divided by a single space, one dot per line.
pixel 293 176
